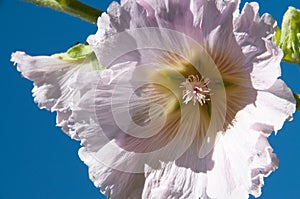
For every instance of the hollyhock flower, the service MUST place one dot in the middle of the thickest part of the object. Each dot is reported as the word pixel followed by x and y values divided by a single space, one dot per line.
pixel 184 106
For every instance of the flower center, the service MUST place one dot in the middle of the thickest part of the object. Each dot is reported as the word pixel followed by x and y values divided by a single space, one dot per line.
pixel 196 90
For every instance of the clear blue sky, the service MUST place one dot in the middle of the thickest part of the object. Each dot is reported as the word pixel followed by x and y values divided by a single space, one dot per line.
pixel 38 161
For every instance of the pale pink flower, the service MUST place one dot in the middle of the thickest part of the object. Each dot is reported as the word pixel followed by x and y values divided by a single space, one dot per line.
pixel 185 105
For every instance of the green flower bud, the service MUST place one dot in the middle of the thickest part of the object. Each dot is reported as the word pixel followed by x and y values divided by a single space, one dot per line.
pixel 288 38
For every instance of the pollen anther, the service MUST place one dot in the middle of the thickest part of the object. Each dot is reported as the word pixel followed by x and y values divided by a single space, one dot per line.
pixel 196 90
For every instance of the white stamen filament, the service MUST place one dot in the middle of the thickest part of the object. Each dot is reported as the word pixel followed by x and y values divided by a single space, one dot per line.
pixel 195 89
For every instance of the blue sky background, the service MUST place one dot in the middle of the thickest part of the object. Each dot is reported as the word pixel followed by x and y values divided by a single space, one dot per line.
pixel 38 161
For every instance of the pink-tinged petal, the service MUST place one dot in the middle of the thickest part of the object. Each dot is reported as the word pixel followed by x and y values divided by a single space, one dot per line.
pixel 216 27
pixel 118 19
pixel 237 98
pixel 175 15
pixel 249 22
pixel 253 34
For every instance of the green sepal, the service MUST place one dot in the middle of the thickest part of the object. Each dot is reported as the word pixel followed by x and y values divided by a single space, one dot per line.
pixel 288 38
pixel 277 36
pixel 75 53
pixel 80 53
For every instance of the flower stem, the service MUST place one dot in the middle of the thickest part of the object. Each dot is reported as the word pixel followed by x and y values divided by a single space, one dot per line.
pixel 71 7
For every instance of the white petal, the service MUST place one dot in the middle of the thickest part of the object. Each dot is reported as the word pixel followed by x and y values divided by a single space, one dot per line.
pixel 66 88
pixel 173 181
pixel 50 76
pixel 272 106
pixel 52 83
pixel 242 158
pixel 113 183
